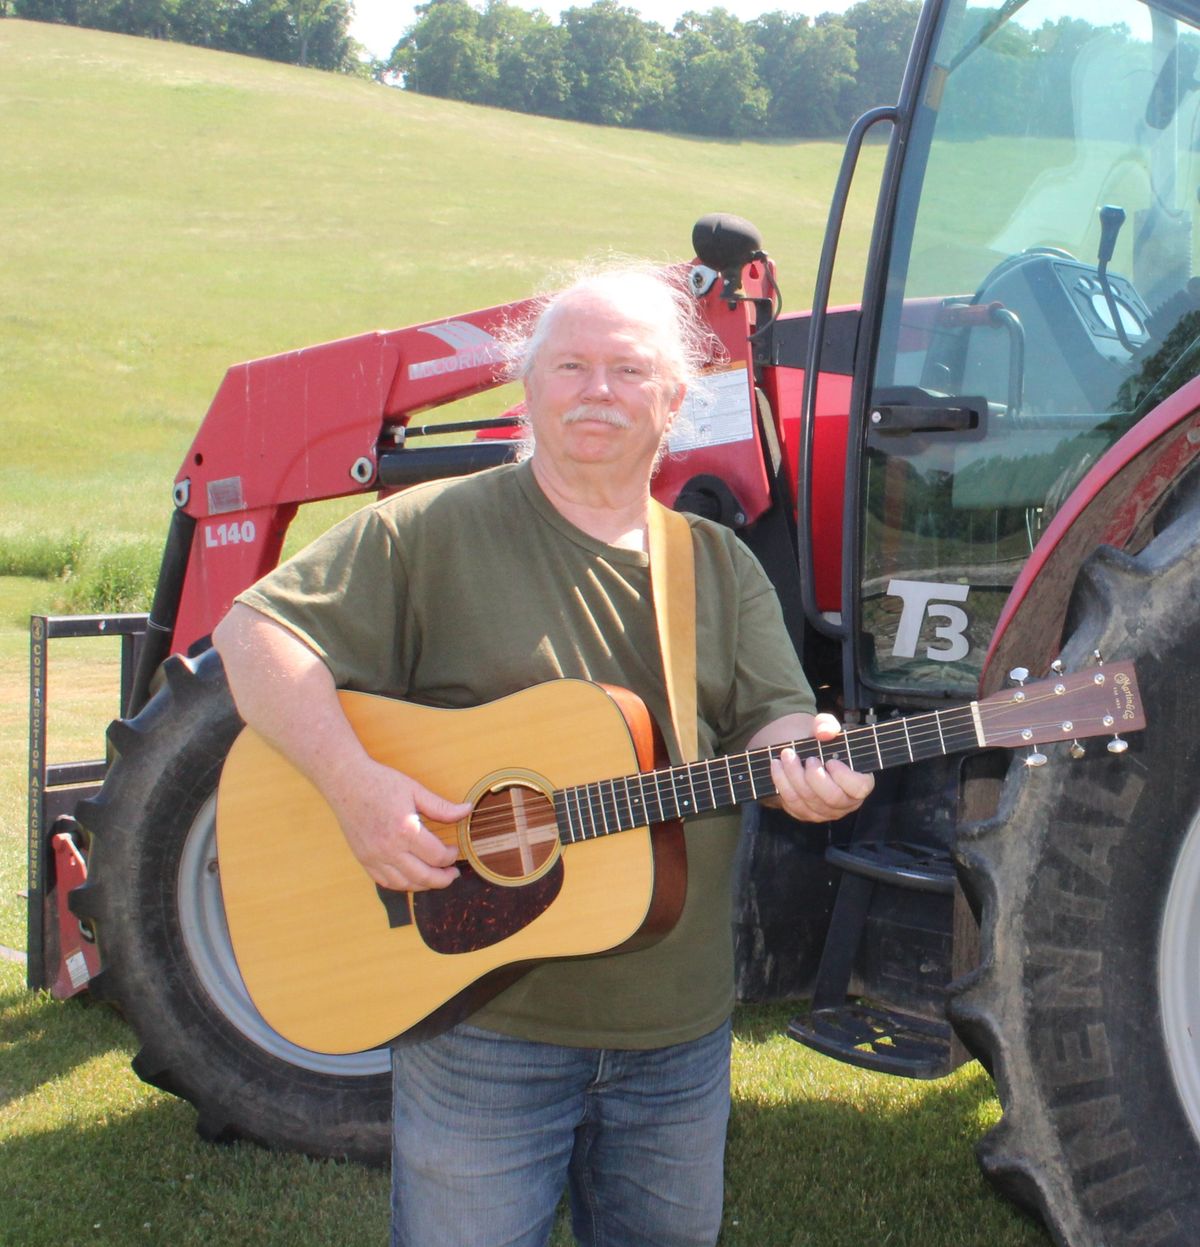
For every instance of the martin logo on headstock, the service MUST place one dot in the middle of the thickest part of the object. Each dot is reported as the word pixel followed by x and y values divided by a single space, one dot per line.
pixel 1101 700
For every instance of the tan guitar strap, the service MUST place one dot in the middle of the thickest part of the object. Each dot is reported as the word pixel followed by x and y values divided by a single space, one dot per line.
pixel 673 585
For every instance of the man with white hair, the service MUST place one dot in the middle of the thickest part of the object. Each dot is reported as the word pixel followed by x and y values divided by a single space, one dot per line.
pixel 606 1075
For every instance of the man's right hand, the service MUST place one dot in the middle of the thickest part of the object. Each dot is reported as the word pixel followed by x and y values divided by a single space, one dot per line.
pixel 286 693
pixel 382 814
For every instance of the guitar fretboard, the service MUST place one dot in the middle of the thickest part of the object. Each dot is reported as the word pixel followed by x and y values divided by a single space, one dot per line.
pixel 586 811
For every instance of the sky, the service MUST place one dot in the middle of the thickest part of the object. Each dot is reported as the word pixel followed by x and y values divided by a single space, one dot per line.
pixel 378 24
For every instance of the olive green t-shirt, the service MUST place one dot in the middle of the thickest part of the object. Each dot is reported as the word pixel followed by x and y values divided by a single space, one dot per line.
pixel 455 593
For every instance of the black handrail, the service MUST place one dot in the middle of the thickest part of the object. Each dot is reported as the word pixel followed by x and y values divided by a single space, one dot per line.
pixel 812 366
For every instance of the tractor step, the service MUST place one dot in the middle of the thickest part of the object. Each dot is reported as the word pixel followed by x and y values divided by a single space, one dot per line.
pixel 877 1039
pixel 919 867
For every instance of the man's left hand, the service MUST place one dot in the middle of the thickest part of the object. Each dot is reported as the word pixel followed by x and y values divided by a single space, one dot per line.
pixel 813 791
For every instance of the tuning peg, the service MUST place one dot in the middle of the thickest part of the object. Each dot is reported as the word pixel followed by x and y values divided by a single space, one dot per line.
pixel 1076 750
pixel 1018 675
pixel 1034 757
pixel 1099 657
pixel 1057 666
pixel 1116 745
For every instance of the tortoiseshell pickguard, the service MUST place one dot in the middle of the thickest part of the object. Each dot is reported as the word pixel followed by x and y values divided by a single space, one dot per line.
pixel 473 912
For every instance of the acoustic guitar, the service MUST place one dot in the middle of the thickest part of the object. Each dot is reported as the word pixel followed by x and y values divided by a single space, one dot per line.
pixel 558 858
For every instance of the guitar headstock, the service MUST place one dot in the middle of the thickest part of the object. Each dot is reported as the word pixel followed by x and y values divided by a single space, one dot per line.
pixel 1103 701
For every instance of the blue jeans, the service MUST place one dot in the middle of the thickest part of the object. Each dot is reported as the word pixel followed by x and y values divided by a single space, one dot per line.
pixel 488 1130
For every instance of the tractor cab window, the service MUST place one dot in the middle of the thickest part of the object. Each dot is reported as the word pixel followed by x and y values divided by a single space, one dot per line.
pixel 1039 301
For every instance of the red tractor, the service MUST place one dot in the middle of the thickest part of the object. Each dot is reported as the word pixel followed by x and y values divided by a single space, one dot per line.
pixel 987 468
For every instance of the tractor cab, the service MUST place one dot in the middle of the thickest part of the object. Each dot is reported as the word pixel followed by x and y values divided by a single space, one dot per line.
pixel 1031 299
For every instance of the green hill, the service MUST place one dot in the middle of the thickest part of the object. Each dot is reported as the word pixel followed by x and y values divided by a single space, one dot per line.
pixel 169 211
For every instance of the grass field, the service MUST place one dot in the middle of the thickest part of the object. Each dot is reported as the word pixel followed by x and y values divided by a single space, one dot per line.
pixel 168 212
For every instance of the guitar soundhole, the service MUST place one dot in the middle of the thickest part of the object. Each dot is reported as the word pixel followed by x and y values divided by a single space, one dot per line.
pixel 512 832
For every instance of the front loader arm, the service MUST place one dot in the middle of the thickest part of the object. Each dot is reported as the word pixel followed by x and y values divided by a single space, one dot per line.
pixel 334 420
pixel 309 425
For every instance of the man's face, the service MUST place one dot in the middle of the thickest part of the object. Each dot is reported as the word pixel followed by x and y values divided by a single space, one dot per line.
pixel 597 393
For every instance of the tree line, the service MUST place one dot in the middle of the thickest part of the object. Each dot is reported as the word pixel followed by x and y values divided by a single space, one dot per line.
pixel 781 74
pixel 778 75
pixel 298 32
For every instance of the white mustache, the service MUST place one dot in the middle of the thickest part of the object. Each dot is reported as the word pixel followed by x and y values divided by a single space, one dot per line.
pixel 605 415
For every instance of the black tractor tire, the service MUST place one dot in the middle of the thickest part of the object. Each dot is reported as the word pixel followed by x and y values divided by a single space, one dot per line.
pixel 1086 1005
pixel 153 899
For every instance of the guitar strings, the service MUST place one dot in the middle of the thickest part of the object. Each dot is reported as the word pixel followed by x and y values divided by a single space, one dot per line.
pixel 892 741
pixel 599 798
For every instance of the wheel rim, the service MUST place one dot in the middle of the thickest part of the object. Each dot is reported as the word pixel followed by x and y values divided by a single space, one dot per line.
pixel 206 939
pixel 1179 975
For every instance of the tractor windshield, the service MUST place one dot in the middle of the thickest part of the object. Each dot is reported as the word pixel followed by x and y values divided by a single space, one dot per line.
pixel 1039 301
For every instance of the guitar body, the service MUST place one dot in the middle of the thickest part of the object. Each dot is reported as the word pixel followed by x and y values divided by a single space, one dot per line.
pixel 335 965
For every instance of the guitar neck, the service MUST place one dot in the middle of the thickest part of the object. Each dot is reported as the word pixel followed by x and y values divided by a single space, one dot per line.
pixel 606 806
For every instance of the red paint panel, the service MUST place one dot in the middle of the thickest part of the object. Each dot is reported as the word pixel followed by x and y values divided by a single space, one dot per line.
pixel 786 387
pixel 289 428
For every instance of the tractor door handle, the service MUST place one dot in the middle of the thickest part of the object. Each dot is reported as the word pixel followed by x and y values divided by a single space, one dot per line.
pixel 902 418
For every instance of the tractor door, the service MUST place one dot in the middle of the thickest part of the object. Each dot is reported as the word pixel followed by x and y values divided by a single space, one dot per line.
pixel 1031 299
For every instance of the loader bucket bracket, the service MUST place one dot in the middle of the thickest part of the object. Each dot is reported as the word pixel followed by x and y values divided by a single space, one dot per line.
pixel 54 792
